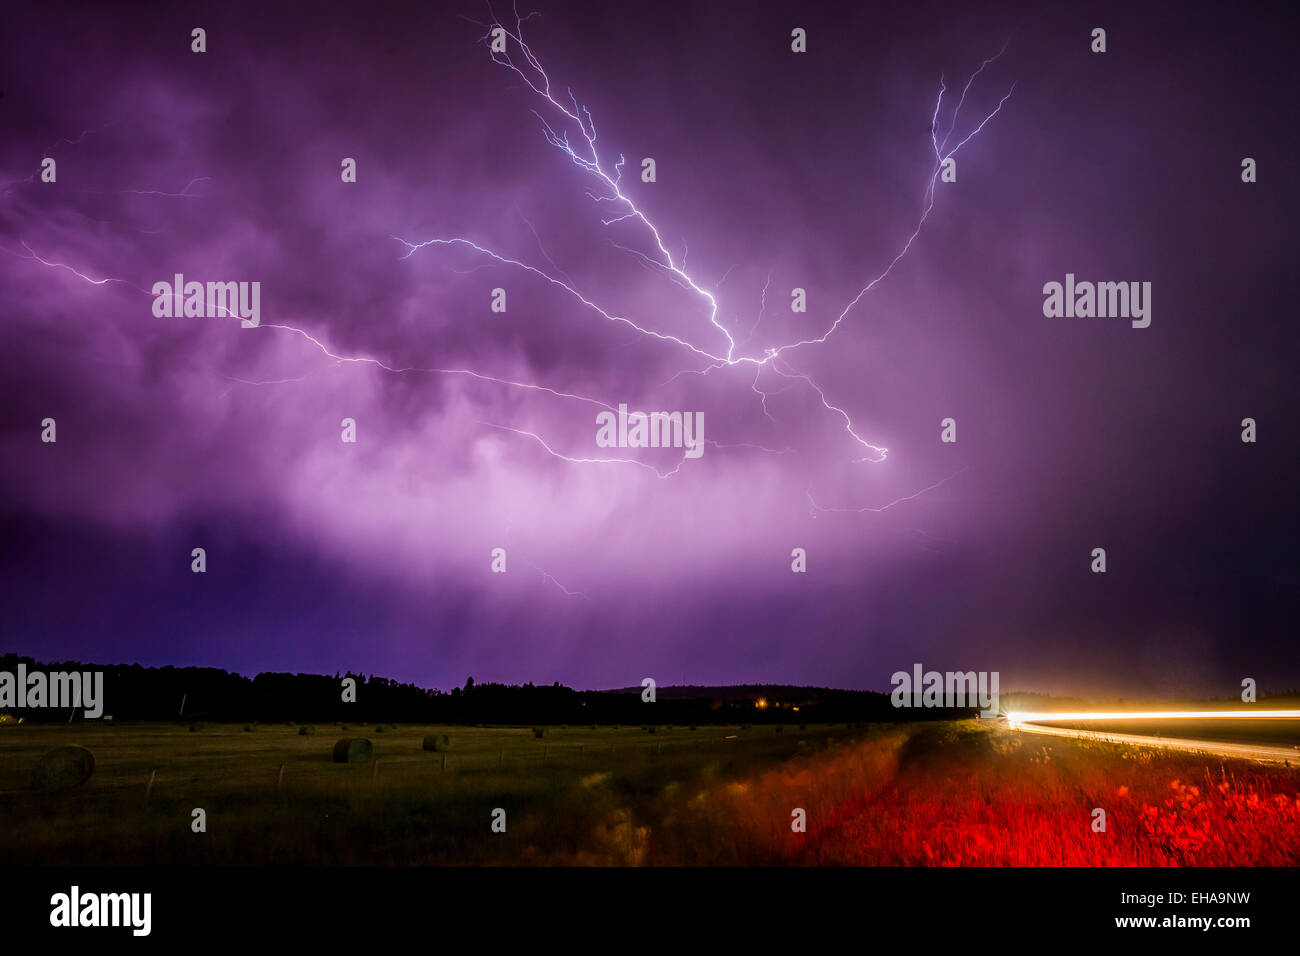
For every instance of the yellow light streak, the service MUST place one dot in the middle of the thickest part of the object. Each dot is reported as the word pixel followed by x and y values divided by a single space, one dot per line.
pixel 1032 717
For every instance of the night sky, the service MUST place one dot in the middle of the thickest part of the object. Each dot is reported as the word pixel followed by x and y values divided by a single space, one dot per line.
pixel 774 169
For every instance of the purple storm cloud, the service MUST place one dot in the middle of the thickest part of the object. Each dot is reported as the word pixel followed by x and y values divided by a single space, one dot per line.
pixel 477 429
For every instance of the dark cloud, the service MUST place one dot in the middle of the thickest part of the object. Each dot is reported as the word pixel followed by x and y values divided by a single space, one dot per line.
pixel 806 171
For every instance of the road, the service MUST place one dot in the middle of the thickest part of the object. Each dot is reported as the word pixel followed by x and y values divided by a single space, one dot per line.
pixel 1262 753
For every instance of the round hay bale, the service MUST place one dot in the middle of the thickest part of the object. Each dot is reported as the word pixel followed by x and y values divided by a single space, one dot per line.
pixel 380 729
pixel 306 730
pixel 353 750
pixel 63 768
pixel 438 742
pixel 539 732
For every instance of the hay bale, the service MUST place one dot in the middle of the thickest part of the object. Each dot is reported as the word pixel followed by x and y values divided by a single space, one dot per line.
pixel 539 732
pixel 650 730
pixel 438 742
pixel 306 730
pixel 249 728
pixel 353 750
pixel 379 729
pixel 63 768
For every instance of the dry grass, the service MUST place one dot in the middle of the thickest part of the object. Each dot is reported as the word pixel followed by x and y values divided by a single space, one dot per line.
pixel 911 794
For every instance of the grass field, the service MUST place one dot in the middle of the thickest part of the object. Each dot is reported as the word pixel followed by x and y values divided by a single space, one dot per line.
pixel 926 794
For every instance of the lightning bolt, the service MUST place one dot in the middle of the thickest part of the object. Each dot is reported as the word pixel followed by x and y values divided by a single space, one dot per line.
pixel 75 272
pixel 587 461
pixel 814 507
pixel 582 150
pixel 550 578
pixel 340 359
pixel 49 150
pixel 183 194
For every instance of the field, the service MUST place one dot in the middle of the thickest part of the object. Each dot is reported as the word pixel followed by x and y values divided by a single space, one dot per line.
pixel 919 794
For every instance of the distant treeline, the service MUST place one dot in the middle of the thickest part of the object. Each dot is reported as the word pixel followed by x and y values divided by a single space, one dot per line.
pixel 132 692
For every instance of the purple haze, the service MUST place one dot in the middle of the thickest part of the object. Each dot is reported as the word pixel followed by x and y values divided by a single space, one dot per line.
pixel 810 169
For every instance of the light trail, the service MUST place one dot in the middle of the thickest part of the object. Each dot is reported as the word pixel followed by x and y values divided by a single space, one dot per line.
pixel 1028 717
pixel 1260 753
pixel 1033 722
